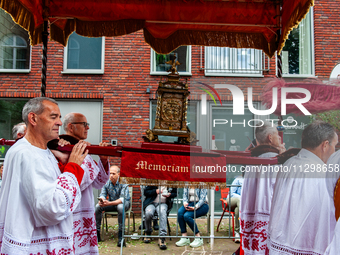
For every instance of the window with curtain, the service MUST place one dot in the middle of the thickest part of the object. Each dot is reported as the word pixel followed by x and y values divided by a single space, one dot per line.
pixel 15 53
pixel 224 61
pixel 182 55
pixel 297 54
pixel 84 54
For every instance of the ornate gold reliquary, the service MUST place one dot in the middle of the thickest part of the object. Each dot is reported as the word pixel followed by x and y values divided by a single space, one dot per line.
pixel 172 106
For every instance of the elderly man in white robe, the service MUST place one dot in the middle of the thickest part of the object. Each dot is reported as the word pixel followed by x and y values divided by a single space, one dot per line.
pixel 333 185
pixel 302 215
pixel 257 191
pixel 37 200
pixel 95 176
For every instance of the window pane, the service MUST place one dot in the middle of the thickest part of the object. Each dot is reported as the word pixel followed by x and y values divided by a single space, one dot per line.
pixel 181 54
pixel 233 135
pixel 73 59
pixel 297 52
pixel 8 52
pixel 8 64
pixel 223 60
pixel 8 40
pixel 20 41
pixel 21 54
pixel 15 57
pixel 14 45
pixel 20 64
pixel 84 52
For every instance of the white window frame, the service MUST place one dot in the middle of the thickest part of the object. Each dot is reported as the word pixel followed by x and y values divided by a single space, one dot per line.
pixel 85 71
pixel 312 55
pixel 3 70
pixel 153 67
pixel 235 73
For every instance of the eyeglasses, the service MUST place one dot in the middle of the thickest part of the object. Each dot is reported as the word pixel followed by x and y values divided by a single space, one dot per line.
pixel 85 124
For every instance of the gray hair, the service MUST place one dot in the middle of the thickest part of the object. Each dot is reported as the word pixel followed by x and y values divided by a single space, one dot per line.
pixel 36 106
pixel 316 133
pixel 261 133
pixel 68 119
pixel 18 128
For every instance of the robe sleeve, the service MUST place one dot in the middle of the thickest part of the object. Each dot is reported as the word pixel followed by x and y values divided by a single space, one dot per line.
pixel 102 176
pixel 94 174
pixel 52 196
pixel 91 171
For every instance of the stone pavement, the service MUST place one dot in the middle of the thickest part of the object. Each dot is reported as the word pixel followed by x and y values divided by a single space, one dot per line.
pixel 138 247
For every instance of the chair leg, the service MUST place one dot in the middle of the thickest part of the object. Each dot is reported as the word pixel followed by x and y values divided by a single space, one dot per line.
pixel 169 229
pixel 134 223
pixel 233 219
pixel 208 225
pixel 102 234
pixel 107 229
pixel 128 232
pixel 218 225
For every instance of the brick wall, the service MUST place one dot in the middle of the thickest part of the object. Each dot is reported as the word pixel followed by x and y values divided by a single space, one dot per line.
pixel 326 37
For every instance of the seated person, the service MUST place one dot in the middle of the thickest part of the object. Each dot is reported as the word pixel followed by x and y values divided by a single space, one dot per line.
pixel 193 200
pixel 116 193
pixel 157 199
pixel 235 200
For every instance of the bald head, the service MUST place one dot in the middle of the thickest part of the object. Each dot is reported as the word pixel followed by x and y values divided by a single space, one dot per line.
pixel 114 174
pixel 75 124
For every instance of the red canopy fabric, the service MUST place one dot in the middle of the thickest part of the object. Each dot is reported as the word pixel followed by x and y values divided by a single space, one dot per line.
pixel 167 24
pixel 324 96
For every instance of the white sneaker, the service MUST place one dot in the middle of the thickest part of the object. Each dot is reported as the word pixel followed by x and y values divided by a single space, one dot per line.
pixel 197 243
pixel 237 238
pixel 183 242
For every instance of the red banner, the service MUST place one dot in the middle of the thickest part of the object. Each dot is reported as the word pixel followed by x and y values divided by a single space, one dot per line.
pixel 152 168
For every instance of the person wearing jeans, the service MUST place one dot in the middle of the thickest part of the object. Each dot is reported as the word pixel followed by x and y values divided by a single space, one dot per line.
pixel 157 200
pixel 195 205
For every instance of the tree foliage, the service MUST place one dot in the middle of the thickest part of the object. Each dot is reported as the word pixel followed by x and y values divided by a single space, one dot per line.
pixel 331 117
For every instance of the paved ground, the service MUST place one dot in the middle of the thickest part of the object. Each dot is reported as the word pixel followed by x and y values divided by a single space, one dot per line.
pixel 137 247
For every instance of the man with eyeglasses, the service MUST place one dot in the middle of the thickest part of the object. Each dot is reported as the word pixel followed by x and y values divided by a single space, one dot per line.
pixel 95 176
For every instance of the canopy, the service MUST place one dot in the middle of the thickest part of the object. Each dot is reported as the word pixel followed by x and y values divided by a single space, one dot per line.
pixel 167 24
pixel 324 96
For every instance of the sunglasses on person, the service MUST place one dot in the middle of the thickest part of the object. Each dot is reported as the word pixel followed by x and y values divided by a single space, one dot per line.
pixel 85 124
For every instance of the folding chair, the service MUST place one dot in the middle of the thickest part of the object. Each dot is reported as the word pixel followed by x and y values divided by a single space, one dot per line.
pixel 225 208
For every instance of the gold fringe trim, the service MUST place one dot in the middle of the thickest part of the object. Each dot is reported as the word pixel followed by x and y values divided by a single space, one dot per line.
pixel 173 184
pixel 210 38
pixel 94 29
pixel 61 35
pixel 23 18
pixel 294 20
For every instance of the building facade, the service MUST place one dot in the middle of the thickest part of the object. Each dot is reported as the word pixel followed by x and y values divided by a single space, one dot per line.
pixel 113 81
